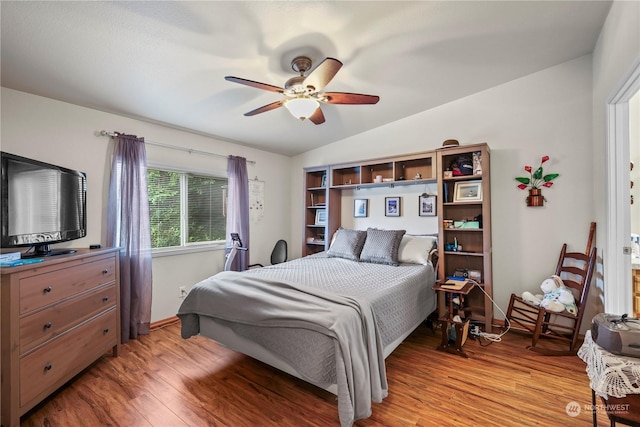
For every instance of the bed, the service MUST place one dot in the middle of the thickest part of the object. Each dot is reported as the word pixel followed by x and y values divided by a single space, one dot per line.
pixel 330 318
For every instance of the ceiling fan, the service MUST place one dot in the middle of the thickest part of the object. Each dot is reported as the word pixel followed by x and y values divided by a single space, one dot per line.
pixel 302 94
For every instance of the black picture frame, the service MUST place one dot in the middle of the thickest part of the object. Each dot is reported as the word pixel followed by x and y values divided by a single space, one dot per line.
pixel 426 205
pixel 392 206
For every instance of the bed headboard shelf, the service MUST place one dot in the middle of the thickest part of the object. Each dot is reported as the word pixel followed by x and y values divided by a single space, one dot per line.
pixel 323 186
pixel 322 209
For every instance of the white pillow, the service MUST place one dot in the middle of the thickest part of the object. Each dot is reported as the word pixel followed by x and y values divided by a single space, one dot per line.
pixel 415 249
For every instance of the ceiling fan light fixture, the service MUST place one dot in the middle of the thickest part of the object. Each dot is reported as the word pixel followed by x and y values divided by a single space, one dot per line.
pixel 302 94
pixel 302 107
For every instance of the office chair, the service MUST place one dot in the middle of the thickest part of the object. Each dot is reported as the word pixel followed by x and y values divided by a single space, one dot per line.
pixel 278 254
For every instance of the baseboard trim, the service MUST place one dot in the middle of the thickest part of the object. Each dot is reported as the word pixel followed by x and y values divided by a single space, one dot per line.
pixel 164 322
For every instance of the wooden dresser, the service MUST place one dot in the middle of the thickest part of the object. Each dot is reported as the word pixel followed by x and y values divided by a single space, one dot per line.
pixel 58 317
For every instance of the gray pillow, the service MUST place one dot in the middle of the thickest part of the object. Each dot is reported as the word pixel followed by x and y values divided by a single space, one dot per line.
pixel 381 246
pixel 348 244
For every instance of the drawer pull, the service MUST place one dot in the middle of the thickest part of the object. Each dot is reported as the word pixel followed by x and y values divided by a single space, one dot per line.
pixel 48 367
pixel 105 271
pixel 47 290
pixel 105 299
pixel 47 325
pixel 105 331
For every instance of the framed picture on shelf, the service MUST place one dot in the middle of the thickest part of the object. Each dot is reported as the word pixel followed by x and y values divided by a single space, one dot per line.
pixel 323 181
pixel 321 217
pixel 392 206
pixel 477 163
pixel 427 205
pixel 468 191
pixel 360 208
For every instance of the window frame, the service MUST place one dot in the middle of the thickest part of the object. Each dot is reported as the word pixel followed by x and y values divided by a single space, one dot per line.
pixel 186 248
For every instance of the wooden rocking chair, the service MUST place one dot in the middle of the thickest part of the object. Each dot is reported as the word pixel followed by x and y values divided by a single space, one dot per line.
pixel 576 271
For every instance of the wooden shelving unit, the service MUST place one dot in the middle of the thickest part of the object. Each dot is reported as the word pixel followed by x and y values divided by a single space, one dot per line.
pixel 402 170
pixel 473 251
pixel 321 211
pixel 323 186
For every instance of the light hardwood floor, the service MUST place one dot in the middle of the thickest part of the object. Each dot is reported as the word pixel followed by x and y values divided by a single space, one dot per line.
pixel 162 380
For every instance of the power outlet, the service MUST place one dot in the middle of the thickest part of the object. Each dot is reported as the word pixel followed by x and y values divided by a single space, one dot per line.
pixel 183 292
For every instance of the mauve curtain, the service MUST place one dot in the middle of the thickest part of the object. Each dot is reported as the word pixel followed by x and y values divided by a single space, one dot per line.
pixel 238 208
pixel 128 228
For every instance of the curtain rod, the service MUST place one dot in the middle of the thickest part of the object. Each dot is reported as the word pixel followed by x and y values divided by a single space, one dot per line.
pixel 174 147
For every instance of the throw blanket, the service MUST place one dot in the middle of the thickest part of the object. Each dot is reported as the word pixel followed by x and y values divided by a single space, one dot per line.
pixel 242 298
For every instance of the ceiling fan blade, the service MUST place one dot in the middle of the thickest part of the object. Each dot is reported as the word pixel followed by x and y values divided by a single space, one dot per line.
pixel 323 73
pixel 317 117
pixel 257 85
pixel 265 108
pixel 348 98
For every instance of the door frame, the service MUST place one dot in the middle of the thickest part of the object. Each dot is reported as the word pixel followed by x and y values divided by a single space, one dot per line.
pixel 617 263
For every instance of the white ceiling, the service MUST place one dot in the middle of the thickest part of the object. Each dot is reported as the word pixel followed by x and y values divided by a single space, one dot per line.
pixel 165 62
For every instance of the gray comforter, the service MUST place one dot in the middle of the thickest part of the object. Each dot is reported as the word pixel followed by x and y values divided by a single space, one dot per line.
pixel 247 299
pixel 333 328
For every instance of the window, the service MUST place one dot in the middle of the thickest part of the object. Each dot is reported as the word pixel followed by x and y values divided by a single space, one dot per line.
pixel 185 208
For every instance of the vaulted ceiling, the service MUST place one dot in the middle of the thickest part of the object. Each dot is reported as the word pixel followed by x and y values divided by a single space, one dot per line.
pixel 165 62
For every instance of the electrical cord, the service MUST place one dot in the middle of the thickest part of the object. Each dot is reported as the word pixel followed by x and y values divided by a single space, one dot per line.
pixel 490 337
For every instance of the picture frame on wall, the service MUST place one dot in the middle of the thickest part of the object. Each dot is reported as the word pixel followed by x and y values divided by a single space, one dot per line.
pixel 392 206
pixel 321 217
pixel 426 205
pixel 360 208
pixel 467 191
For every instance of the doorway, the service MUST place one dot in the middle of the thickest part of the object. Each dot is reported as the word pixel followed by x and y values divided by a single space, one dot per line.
pixel 622 129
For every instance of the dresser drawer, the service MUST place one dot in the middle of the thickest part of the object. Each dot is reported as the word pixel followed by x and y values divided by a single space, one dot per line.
pixel 48 288
pixel 65 356
pixel 41 326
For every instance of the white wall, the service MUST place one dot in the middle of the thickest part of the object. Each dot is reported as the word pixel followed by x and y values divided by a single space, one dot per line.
pixel 409 220
pixel 546 113
pixel 64 134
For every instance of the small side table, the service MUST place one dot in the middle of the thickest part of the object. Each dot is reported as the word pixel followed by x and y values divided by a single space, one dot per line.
pixel 614 379
pixel 447 322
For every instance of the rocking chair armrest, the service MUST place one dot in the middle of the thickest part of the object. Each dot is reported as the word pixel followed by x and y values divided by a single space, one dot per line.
pixel 521 300
pixel 561 313
pixel 565 313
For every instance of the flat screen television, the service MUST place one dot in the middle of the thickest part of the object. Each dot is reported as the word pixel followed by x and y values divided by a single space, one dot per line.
pixel 42 204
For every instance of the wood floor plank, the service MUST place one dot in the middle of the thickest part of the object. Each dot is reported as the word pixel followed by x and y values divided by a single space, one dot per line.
pixel 161 380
